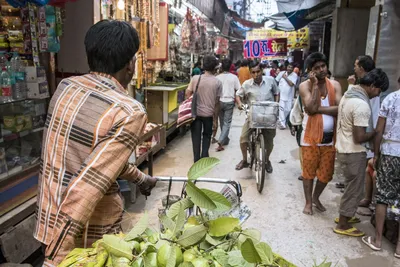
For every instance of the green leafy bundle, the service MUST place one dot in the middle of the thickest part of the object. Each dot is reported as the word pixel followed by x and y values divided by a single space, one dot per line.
pixel 193 241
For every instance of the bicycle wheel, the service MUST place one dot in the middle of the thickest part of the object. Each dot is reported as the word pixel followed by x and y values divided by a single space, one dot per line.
pixel 252 150
pixel 261 161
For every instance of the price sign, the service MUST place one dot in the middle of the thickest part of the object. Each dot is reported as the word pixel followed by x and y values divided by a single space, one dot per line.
pixel 265 48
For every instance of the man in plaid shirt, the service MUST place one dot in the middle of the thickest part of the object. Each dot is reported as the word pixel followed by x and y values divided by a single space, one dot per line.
pixel 92 128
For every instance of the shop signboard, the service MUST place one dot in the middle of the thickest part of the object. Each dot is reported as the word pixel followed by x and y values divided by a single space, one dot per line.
pixel 299 39
pixel 264 48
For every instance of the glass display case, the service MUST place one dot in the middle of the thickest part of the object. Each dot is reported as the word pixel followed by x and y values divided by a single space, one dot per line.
pixel 21 132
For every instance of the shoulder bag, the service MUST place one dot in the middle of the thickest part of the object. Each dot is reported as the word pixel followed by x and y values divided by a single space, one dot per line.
pixel 187 111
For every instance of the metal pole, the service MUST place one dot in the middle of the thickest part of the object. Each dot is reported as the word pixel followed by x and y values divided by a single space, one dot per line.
pixel 244 9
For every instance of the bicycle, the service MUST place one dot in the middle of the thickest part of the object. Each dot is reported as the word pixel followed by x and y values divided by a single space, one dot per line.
pixel 257 153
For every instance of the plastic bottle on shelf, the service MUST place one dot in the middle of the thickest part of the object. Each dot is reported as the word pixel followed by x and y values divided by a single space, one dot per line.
pixel 18 77
pixel 6 90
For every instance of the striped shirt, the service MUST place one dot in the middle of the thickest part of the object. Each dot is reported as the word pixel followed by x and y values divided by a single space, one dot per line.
pixel 91 130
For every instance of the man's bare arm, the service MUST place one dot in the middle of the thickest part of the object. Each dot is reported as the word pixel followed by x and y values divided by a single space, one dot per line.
pixel 309 97
pixel 361 135
pixel 380 128
pixel 288 80
pixel 188 93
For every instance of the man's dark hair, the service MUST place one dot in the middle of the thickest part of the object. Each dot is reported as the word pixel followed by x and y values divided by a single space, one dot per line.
pixel 276 62
pixel 366 62
pixel 245 63
pixel 209 63
pixel 226 64
pixel 254 64
pixel 287 63
pixel 110 45
pixel 238 63
pixel 314 58
pixel 377 78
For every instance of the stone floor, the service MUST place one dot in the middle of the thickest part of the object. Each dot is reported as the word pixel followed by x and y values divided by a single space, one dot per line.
pixel 277 212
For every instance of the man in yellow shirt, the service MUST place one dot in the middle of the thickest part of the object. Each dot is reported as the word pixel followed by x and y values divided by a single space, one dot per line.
pixel 244 72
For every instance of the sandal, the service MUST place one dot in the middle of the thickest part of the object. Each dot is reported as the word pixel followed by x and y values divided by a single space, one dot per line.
pixel 242 164
pixel 349 232
pixel 219 149
pixel 352 220
pixel 367 240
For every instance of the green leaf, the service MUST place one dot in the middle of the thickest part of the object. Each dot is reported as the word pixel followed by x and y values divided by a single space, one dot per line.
pixel 202 167
pixel 235 258
pixel 139 227
pixel 167 222
pixel 220 256
pixel 192 236
pixel 199 197
pixel 193 221
pixel 249 252
pixel 219 200
pixel 265 253
pixel 204 245
pixel 180 220
pixel 186 264
pixel 117 246
pixel 171 262
pixel 174 209
pixel 120 261
pixel 222 226
pixel 254 234
pixel 212 241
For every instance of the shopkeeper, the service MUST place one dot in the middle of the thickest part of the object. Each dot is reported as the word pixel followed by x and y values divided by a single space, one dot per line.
pixel 92 128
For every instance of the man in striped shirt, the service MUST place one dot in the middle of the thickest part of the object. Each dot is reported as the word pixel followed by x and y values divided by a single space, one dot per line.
pixel 92 128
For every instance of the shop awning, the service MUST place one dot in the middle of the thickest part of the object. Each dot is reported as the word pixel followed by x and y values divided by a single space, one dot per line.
pixel 296 14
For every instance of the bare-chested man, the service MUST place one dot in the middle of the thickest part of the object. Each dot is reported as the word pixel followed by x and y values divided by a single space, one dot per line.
pixel 321 98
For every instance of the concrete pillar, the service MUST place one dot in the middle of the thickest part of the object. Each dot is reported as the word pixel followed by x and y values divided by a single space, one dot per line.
pixel 348 40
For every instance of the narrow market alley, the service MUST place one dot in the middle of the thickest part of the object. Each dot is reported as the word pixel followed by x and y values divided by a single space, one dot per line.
pixel 277 212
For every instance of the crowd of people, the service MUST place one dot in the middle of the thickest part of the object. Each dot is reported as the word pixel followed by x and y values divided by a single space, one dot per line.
pixel 359 130
pixel 93 126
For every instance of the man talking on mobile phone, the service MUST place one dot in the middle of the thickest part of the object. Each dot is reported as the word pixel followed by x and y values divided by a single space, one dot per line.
pixel 321 98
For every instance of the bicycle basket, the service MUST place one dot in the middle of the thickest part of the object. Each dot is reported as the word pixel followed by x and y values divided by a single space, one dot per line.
pixel 264 114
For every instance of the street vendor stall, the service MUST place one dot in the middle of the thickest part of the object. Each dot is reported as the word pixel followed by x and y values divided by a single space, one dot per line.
pixel 162 103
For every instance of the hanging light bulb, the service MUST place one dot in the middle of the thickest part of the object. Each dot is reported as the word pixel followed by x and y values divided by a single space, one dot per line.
pixel 121 4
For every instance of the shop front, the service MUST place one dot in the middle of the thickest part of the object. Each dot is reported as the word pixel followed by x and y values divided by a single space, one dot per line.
pixel 29 41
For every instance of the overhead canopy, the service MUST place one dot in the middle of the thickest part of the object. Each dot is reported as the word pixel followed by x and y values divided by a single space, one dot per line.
pixel 296 14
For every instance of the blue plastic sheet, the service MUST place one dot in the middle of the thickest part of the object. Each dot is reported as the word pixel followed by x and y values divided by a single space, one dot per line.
pixel 22 3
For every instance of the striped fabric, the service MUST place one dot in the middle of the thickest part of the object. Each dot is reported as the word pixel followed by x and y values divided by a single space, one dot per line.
pixel 185 112
pixel 92 128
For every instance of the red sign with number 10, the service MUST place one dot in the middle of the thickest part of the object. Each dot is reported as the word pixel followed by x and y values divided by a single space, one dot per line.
pixel 265 48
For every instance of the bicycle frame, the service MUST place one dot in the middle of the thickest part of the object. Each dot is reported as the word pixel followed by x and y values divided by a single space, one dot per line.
pixel 256 149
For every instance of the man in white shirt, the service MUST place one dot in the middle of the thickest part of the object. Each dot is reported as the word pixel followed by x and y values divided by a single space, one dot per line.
pixel 230 84
pixel 287 81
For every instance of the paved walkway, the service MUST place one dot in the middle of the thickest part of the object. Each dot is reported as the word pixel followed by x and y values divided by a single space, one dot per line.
pixel 277 212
